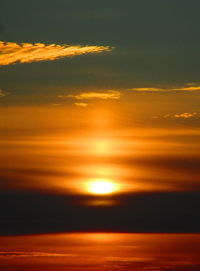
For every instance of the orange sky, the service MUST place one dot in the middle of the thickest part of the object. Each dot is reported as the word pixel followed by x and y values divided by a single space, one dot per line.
pixel 63 148
pixel 100 252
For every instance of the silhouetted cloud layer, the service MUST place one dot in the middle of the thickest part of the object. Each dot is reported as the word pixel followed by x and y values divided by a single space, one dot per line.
pixel 139 212
pixel 11 52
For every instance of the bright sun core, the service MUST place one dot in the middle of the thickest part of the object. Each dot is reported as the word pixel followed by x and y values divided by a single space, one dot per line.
pixel 101 187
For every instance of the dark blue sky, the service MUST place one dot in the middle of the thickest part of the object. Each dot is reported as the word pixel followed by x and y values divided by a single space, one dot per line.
pixel 156 44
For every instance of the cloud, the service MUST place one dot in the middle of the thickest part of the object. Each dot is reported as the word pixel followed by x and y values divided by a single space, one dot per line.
pixel 20 254
pixel 188 87
pixel 2 94
pixel 185 115
pixel 110 94
pixel 146 89
pixel 12 53
pixel 129 259
pixel 81 104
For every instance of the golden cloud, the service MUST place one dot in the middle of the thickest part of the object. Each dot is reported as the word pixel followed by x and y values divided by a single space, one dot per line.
pixel 2 94
pixel 185 115
pixel 81 104
pixel 110 94
pixel 189 87
pixel 146 89
pixel 11 53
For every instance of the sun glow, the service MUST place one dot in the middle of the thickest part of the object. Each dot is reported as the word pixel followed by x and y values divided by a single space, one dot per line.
pixel 101 187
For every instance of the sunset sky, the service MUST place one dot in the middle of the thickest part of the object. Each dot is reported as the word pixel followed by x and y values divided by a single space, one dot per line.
pixel 99 116
pixel 99 135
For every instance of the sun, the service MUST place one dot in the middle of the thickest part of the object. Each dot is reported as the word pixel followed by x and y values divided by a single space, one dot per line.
pixel 101 187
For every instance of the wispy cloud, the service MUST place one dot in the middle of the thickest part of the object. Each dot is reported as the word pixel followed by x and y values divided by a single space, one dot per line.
pixel 81 104
pixel 185 115
pixel 23 254
pixel 129 259
pixel 146 89
pixel 188 87
pixel 110 94
pixel 2 93
pixel 11 52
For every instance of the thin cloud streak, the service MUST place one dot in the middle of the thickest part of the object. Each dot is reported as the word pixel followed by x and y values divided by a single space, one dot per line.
pixel 106 95
pixel 23 254
pixel 128 259
pixel 189 87
pixel 12 53
pixel 185 115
